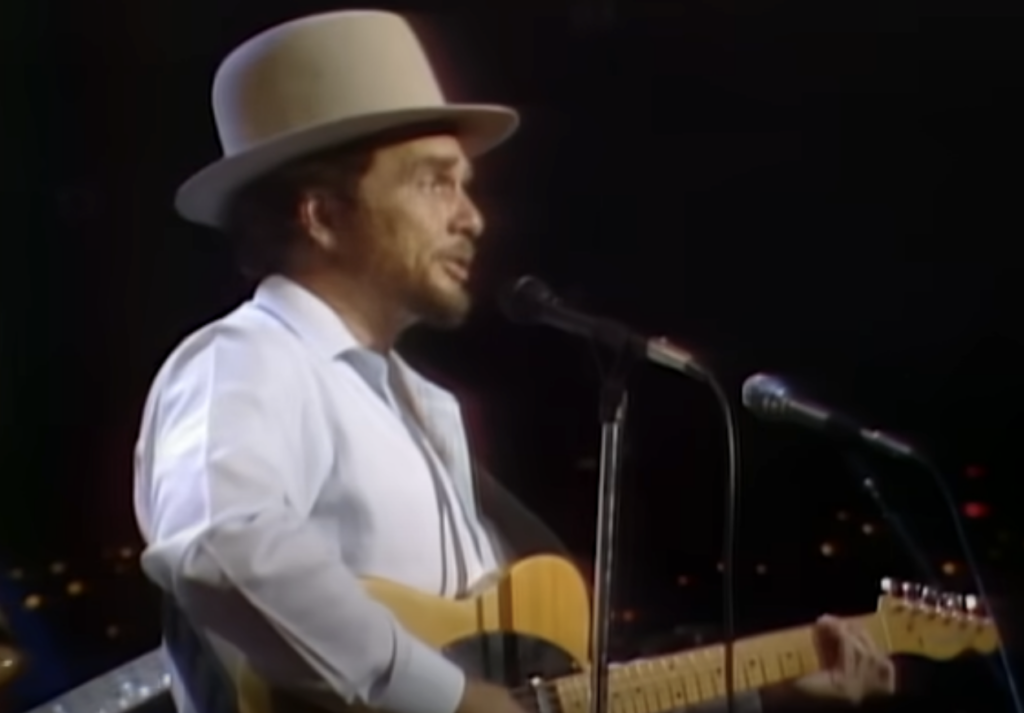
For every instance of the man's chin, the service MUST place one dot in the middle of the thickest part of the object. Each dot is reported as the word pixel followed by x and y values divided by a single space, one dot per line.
pixel 448 311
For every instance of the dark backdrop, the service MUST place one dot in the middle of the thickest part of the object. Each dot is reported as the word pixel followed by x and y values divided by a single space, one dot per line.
pixel 825 190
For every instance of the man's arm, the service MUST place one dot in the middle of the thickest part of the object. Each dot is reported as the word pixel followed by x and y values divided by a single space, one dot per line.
pixel 224 510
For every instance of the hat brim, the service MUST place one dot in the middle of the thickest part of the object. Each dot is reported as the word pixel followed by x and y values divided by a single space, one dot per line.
pixel 204 197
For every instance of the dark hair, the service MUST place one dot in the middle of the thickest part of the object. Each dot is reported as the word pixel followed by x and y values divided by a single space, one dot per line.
pixel 262 220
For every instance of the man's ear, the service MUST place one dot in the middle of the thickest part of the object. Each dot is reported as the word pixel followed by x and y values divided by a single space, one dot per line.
pixel 318 215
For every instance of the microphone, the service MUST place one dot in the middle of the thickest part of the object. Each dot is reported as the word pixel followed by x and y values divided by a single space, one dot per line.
pixel 527 300
pixel 768 398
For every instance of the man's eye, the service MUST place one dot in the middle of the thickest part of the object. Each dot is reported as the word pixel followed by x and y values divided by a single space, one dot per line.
pixel 441 183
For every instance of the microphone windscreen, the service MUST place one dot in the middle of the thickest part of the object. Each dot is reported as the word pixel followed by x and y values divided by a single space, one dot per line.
pixel 523 300
pixel 763 394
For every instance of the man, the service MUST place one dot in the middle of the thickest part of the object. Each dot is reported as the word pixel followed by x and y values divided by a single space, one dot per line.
pixel 285 449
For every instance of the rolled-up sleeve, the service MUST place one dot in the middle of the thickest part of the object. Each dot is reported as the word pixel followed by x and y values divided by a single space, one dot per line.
pixel 223 491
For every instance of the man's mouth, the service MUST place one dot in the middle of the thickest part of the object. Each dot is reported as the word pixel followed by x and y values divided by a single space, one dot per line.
pixel 458 268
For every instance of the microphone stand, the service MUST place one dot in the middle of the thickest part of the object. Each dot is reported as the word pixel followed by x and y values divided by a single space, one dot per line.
pixel 612 408
pixel 862 472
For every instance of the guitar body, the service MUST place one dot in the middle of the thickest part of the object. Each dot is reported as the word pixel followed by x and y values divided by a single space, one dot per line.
pixel 534 620
pixel 539 608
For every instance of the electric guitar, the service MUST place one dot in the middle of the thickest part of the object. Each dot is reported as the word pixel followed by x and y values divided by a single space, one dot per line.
pixel 530 631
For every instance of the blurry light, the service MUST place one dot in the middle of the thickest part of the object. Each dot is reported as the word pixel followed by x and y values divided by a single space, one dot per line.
pixel 58 568
pixel 828 549
pixel 976 510
pixel 113 632
pixel 974 471
pixel 949 568
pixel 33 601
pixel 75 588
pixel 126 553
pixel 683 580
pixel 720 567
pixel 761 569
pixel 629 615
pixel 842 516
pixel 867 528
pixel 17 574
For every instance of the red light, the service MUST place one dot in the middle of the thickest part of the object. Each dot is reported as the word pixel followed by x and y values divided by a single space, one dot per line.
pixel 976 510
pixel 974 471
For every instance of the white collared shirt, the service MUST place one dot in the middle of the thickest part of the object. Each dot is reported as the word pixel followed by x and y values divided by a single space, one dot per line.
pixel 279 462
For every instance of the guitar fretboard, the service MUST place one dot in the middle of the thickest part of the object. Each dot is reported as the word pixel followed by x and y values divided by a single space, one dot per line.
pixel 667 683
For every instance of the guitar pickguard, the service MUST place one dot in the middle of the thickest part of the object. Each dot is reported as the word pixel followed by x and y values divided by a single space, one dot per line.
pixel 509 659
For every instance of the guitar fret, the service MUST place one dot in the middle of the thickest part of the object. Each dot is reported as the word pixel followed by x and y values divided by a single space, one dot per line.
pixel 768 668
pixel 751 664
pixel 636 685
pixel 663 693
pixel 704 680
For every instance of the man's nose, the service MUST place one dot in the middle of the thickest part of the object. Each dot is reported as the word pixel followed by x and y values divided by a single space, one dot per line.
pixel 469 221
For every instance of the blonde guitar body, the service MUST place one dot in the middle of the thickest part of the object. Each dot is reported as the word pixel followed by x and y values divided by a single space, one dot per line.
pixel 542 598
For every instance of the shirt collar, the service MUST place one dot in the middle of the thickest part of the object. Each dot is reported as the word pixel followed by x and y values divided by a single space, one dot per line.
pixel 326 333
pixel 306 315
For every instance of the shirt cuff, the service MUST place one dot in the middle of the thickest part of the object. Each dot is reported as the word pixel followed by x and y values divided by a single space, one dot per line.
pixel 421 680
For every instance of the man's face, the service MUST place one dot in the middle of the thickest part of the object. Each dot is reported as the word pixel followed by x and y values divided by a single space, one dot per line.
pixel 414 233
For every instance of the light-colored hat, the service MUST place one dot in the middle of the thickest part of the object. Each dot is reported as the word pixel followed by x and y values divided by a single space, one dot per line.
pixel 318 83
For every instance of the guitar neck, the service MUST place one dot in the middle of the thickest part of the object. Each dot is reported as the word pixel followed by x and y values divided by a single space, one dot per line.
pixel 667 683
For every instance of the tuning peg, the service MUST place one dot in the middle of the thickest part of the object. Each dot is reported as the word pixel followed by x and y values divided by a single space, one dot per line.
pixel 893 587
pixel 972 605
pixel 911 591
pixel 930 597
pixel 952 603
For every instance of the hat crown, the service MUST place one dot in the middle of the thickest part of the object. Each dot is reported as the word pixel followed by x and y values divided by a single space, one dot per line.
pixel 318 70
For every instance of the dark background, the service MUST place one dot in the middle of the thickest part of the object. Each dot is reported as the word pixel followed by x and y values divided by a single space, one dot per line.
pixel 829 191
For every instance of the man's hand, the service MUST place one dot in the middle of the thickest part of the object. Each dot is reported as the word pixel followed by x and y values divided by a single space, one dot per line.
pixel 480 697
pixel 853 668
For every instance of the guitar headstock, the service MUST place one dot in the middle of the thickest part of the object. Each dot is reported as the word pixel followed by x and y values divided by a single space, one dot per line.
pixel 932 623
